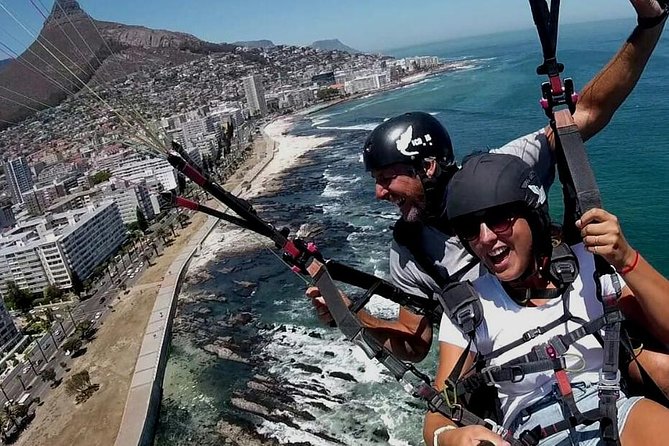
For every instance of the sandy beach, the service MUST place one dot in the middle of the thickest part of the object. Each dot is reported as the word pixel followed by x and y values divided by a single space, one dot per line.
pixel 287 152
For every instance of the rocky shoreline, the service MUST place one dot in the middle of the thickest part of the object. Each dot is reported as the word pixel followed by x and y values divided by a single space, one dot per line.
pixel 239 337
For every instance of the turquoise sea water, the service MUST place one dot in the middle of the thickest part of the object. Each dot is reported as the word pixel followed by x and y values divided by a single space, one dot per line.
pixel 489 101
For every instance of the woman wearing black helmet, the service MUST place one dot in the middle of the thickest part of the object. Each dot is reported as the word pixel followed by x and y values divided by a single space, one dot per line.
pixel 498 209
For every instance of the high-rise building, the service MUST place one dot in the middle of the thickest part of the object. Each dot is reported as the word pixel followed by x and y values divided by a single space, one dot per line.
pixel 129 197
pixel 19 178
pixel 9 335
pixel 7 219
pixel 255 95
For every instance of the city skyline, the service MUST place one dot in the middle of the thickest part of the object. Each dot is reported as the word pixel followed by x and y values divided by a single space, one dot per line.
pixel 366 26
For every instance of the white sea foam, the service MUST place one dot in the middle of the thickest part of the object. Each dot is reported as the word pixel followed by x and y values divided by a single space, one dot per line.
pixel 332 191
pixel 369 127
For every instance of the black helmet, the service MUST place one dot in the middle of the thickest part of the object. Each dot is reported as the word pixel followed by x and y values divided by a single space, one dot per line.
pixel 410 139
pixel 490 180
pixel 493 180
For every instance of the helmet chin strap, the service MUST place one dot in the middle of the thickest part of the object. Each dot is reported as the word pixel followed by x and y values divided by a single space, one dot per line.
pixel 533 283
pixel 434 190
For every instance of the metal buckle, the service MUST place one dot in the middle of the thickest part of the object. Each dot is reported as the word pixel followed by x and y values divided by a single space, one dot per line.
pixel 531 334
pixel 487 373
pixel 466 314
pixel 456 413
pixel 517 377
pixel 496 428
pixel 609 385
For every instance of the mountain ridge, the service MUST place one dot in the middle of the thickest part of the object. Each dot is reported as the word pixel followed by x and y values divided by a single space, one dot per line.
pixel 262 43
pixel 87 46
pixel 333 44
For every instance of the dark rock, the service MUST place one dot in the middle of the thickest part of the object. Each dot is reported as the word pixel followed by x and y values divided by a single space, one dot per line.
pixel 344 376
pixel 240 319
pixel 315 334
pixel 381 433
pixel 308 368
pixel 329 354
pixel 225 353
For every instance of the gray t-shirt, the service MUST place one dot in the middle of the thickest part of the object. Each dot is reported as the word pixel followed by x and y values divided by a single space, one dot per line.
pixel 450 257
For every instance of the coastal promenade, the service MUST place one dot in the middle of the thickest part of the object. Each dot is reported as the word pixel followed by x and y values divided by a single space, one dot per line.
pixel 143 401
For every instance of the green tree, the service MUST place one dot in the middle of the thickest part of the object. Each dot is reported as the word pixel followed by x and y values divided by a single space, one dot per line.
pixel 19 410
pixel 77 285
pixel 100 177
pixel 73 345
pixel 80 386
pixel 327 93
pixel 84 329
pixel 52 293
pixel 17 298
pixel 142 223
pixel 48 375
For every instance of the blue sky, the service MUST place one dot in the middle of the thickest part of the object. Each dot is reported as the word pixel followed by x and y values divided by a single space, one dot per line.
pixel 363 24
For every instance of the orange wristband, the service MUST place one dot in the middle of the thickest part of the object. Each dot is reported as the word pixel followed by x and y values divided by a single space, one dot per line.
pixel 630 268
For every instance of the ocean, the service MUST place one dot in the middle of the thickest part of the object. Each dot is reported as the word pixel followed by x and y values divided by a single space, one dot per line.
pixel 292 380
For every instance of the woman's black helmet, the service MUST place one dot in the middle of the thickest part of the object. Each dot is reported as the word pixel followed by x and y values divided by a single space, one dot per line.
pixel 410 138
pixel 493 180
pixel 490 180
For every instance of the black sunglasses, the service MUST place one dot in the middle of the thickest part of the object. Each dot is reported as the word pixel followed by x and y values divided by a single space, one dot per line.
pixel 498 220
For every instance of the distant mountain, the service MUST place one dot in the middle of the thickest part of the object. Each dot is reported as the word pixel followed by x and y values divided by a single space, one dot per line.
pixel 110 50
pixel 255 43
pixel 333 44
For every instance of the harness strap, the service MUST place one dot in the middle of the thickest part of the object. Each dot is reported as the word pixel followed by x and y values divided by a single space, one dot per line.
pixel 609 377
pixel 561 343
pixel 408 235
pixel 531 334
pixel 489 376
pixel 532 437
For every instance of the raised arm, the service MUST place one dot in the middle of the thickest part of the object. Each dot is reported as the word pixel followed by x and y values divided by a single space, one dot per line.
pixel 602 96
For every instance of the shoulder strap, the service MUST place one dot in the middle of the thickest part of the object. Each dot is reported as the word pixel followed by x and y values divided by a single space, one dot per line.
pixel 408 235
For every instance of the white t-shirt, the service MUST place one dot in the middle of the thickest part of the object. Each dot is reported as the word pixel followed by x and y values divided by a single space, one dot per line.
pixel 504 322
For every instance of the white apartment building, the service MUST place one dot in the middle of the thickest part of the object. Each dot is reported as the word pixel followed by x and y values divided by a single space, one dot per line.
pixel 196 128
pixel 94 238
pixel 47 250
pixel 368 82
pixel 255 95
pixel 148 169
pixel 129 197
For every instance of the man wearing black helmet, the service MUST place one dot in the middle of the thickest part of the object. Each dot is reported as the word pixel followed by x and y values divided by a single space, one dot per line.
pixel 411 158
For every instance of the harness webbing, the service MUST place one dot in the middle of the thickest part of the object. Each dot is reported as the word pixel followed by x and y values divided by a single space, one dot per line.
pixel 531 334
pixel 581 194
